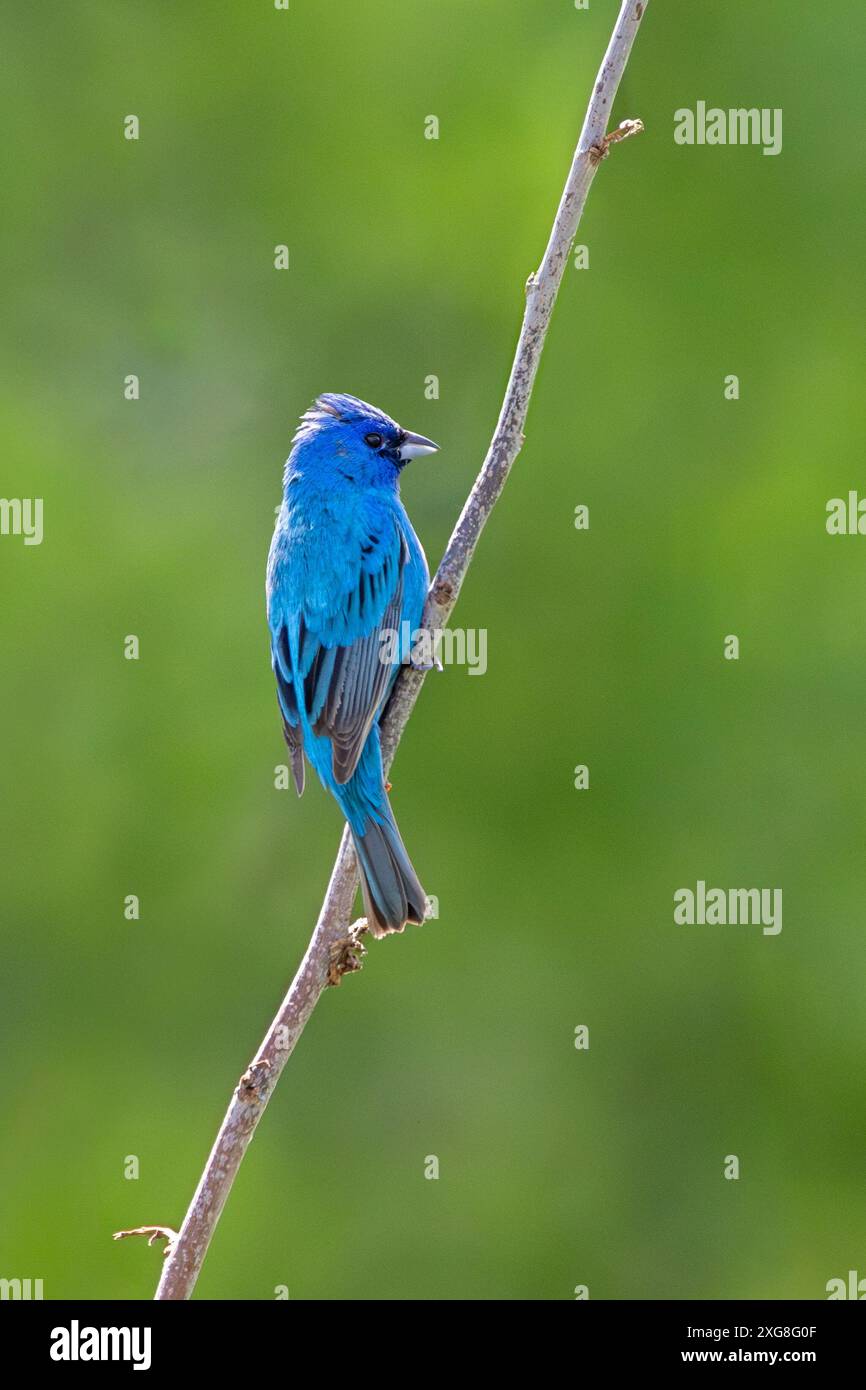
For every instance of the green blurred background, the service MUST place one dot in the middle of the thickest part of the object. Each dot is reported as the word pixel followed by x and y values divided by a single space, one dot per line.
pixel 408 258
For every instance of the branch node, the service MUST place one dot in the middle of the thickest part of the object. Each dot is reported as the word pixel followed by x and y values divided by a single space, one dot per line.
pixel 623 131
pixel 442 592
pixel 346 955
pixel 254 1086
pixel 152 1233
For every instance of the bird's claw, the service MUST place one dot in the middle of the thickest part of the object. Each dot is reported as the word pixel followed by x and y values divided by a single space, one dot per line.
pixel 425 666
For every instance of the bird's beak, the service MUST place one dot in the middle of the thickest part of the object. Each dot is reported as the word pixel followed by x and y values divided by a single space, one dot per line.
pixel 414 445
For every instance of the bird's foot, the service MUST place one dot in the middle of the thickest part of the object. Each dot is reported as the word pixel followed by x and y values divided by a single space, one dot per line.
pixel 424 652
pixel 425 666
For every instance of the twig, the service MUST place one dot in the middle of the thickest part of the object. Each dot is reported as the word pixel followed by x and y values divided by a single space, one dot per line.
pixel 613 137
pixel 153 1234
pixel 335 948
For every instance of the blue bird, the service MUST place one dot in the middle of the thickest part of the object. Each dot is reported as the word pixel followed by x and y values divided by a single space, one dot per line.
pixel 346 583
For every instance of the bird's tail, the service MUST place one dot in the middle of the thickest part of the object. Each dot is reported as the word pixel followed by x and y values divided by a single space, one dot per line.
pixel 392 894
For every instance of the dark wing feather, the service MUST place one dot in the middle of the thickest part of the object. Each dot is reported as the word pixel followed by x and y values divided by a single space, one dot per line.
pixel 289 707
pixel 357 680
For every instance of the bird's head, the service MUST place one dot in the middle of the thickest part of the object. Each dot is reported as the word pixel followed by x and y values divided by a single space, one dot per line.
pixel 343 428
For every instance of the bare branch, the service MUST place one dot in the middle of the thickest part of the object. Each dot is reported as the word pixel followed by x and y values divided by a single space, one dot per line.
pixel 335 949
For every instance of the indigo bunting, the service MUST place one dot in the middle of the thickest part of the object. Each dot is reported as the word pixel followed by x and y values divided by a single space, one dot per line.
pixel 346 583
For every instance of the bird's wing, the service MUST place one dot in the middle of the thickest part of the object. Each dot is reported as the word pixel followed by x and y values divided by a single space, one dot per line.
pixel 340 674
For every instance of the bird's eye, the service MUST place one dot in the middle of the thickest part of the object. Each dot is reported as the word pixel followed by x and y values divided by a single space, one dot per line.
pixel 374 440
